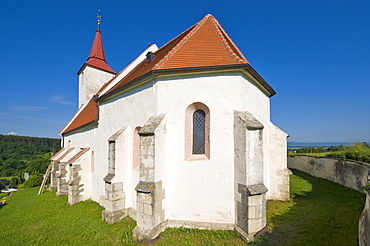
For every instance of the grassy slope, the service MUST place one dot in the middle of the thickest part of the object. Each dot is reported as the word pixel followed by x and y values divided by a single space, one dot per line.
pixel 29 219
pixel 322 213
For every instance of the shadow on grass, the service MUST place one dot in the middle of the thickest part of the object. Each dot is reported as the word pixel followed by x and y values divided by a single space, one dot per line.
pixel 320 213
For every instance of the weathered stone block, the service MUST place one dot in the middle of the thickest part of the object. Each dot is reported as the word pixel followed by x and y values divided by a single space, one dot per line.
pixel 115 205
pixel 112 196
pixel 148 209
pixel 112 217
pixel 114 187
pixel 145 198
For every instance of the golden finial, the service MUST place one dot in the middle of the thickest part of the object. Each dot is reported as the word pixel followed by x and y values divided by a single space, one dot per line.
pixel 98 16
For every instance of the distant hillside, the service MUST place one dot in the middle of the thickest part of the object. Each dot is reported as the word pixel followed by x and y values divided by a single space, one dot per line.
pixel 19 154
pixel 317 144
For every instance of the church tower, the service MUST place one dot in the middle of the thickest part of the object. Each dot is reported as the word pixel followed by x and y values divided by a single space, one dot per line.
pixel 95 72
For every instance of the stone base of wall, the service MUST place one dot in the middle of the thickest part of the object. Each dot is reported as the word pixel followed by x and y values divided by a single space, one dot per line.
pixel 114 203
pixel 59 194
pixel 141 233
pixel 149 214
pixel 113 217
pixel 200 225
pixel 250 210
pixel 284 187
pixel 62 187
pixel 74 187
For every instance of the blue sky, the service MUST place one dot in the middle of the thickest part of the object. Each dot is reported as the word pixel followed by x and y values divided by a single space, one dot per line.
pixel 315 54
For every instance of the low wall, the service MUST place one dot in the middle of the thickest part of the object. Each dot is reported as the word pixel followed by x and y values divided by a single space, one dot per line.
pixel 351 174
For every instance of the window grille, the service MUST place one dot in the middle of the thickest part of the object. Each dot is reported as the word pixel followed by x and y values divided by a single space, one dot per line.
pixel 198 132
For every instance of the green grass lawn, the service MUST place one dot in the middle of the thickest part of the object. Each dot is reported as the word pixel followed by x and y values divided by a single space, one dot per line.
pixel 325 154
pixel 320 213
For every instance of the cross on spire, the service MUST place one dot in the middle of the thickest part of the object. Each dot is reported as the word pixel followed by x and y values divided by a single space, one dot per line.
pixel 98 17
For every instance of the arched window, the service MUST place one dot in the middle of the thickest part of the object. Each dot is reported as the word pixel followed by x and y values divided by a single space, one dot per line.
pixel 197 140
pixel 92 161
pixel 136 150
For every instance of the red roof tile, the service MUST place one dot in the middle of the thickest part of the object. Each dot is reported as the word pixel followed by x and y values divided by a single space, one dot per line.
pixel 88 115
pixel 204 44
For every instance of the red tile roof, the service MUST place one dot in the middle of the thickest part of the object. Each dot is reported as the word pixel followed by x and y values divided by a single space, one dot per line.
pixel 203 45
pixel 97 57
pixel 89 114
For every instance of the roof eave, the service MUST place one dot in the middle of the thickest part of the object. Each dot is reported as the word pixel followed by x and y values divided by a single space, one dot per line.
pixel 87 125
pixel 86 64
pixel 154 73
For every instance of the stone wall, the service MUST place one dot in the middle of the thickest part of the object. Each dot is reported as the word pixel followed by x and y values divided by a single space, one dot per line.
pixel 351 174
pixel 364 225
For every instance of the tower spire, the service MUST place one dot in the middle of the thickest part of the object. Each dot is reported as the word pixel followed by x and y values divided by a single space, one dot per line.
pixel 98 17
pixel 96 57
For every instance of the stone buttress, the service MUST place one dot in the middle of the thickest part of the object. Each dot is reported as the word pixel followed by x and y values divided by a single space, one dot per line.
pixel 249 190
pixel 114 195
pixel 75 166
pixel 149 214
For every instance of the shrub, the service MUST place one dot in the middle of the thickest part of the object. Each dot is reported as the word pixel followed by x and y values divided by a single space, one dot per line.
pixel 14 182
pixel 357 151
pixel 33 181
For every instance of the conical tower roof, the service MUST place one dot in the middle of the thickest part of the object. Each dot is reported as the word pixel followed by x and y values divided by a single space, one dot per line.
pixel 96 57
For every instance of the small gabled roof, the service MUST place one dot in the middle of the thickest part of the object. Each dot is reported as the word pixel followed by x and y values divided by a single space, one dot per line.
pixel 96 57
pixel 56 154
pixel 65 154
pixel 77 155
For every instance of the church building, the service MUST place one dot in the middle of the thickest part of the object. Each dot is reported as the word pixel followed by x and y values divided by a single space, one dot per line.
pixel 180 137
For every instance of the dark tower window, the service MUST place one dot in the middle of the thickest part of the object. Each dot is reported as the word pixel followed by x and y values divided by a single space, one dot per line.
pixel 199 132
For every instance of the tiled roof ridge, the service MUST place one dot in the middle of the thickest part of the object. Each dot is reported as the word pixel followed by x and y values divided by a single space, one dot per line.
pixel 62 156
pixel 223 37
pixel 181 43
pixel 78 155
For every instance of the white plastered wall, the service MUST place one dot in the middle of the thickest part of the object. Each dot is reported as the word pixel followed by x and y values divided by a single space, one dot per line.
pixel 277 162
pixel 204 190
pixel 194 190
pixel 130 109
pixel 90 81
pixel 85 172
